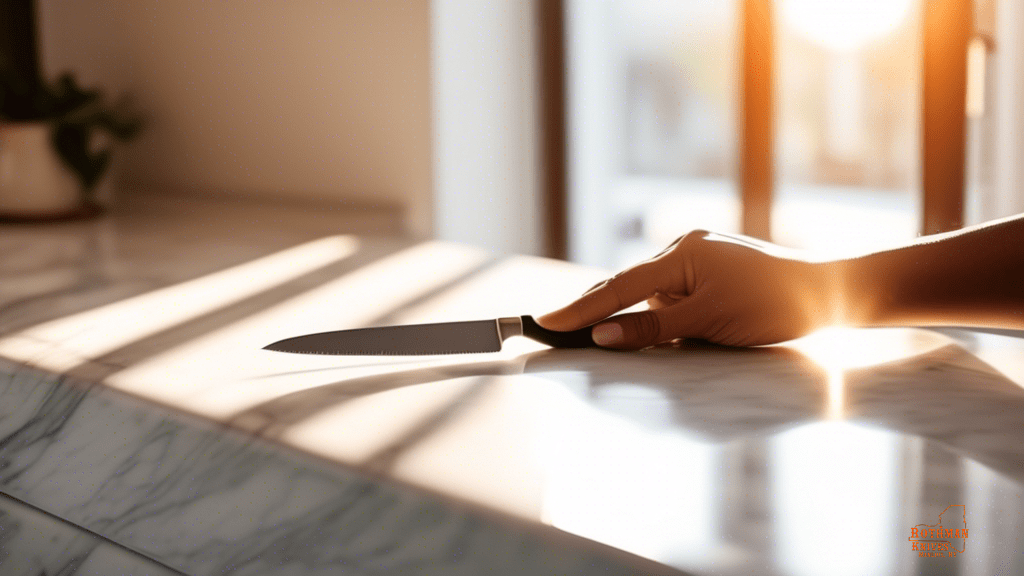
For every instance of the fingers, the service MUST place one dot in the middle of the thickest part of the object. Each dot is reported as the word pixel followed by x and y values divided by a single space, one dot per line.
pixel 642 329
pixel 630 331
pixel 621 291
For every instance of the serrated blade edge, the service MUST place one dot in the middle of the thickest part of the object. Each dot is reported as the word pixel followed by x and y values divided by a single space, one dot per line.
pixel 475 336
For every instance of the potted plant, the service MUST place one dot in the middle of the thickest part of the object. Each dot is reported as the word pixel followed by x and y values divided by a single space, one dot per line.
pixel 55 138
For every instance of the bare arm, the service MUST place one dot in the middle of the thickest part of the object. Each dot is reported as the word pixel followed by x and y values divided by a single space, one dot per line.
pixel 971 277
pixel 740 291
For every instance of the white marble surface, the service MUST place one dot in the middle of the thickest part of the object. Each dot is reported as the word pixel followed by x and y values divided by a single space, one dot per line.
pixel 138 404
pixel 32 542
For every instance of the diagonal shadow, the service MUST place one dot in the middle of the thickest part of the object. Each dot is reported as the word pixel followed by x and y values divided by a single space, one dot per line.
pixel 718 393
pixel 270 419
pixel 384 458
pixel 344 367
pixel 125 356
pixel 98 368
pixel 394 315
pixel 781 389
pixel 273 417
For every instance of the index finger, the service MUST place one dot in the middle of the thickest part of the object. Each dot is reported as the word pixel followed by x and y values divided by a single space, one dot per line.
pixel 621 291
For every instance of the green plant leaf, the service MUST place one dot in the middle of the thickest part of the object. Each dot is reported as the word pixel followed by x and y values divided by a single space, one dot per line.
pixel 119 127
pixel 68 96
pixel 71 139
pixel 74 114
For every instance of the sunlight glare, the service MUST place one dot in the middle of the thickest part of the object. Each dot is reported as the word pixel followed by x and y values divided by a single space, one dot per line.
pixel 834 478
pixel 838 349
pixel 614 481
pixel 845 348
pixel 844 25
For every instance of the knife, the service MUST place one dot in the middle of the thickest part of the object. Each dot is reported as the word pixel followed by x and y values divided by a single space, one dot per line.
pixel 418 339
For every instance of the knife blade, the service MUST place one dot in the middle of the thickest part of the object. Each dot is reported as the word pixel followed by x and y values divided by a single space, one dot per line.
pixel 476 336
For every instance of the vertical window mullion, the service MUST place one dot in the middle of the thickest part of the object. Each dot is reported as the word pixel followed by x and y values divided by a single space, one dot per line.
pixel 553 159
pixel 757 162
pixel 948 26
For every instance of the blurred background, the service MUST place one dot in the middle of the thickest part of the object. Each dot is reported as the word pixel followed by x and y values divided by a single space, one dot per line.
pixel 595 130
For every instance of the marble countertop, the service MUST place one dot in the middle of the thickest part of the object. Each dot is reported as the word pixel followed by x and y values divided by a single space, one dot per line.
pixel 139 407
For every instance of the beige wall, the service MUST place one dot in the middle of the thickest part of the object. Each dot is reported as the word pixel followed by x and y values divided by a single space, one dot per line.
pixel 302 99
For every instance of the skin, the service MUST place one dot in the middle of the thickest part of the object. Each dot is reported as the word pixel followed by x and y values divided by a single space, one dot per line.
pixel 739 291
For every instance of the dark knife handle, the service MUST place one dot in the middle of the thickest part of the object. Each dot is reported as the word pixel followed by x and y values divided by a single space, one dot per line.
pixel 575 339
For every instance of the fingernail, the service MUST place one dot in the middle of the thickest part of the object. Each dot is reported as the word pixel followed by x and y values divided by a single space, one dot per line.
pixel 607 334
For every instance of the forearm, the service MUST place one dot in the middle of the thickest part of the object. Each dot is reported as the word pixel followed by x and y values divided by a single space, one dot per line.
pixel 972 277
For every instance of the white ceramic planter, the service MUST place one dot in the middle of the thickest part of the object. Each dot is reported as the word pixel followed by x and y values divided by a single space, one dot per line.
pixel 34 182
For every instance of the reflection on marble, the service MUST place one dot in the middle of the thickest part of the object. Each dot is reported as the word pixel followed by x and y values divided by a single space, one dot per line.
pixel 835 473
pixel 32 542
pixel 948 396
pixel 895 457
pixel 715 393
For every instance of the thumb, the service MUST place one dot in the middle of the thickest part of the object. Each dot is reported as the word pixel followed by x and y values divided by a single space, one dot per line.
pixel 631 331
pixel 638 330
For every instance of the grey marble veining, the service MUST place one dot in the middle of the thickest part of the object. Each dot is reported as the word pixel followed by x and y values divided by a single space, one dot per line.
pixel 205 500
pixel 32 542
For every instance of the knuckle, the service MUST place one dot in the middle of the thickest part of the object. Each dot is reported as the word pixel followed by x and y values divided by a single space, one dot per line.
pixel 648 327
pixel 695 235
pixel 690 239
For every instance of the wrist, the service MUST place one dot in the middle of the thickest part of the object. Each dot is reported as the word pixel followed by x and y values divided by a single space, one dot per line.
pixel 841 294
pixel 834 293
pixel 823 294
pixel 860 296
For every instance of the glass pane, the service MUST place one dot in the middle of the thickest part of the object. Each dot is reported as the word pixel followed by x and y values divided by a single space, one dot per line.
pixel 848 102
pixel 652 87
pixel 995 117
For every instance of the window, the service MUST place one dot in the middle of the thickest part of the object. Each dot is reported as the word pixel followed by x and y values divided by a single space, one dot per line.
pixel 652 122
pixel 823 124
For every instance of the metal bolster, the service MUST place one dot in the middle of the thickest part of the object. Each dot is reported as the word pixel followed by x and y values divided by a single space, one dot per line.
pixel 508 327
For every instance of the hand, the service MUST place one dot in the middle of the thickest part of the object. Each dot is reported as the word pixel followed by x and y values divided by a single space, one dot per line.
pixel 726 289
